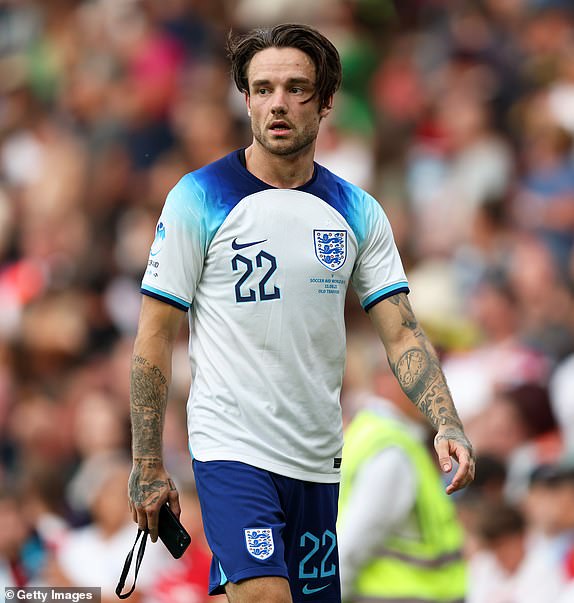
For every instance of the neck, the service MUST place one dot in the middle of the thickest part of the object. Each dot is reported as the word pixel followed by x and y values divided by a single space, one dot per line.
pixel 280 171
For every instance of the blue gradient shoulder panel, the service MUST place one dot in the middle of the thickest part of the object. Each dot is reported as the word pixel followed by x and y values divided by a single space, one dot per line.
pixel 206 196
pixel 203 198
pixel 217 188
pixel 357 207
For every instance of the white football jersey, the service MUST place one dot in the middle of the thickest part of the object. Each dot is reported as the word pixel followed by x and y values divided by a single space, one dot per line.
pixel 264 273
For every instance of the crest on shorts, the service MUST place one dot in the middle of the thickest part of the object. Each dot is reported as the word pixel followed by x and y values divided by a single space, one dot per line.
pixel 259 542
pixel 331 247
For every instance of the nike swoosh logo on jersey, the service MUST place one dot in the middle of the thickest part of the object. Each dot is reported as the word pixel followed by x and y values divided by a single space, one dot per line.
pixel 237 245
pixel 307 590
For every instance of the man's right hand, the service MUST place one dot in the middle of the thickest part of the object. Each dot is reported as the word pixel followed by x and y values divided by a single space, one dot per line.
pixel 149 487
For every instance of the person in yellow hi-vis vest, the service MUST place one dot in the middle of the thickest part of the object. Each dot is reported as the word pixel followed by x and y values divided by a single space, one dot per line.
pixel 399 538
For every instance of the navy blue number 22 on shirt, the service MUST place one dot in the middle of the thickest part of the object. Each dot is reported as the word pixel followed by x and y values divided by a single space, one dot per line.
pixel 263 261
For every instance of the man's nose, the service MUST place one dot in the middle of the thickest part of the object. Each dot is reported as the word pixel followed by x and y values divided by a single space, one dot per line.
pixel 279 104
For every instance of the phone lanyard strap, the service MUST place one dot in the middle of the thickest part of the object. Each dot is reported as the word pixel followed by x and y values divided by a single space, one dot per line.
pixel 128 563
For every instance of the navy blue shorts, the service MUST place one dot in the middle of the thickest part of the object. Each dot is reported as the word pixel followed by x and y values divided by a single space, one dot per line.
pixel 258 523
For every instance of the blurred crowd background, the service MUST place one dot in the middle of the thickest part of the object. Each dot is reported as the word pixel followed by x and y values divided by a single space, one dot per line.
pixel 457 115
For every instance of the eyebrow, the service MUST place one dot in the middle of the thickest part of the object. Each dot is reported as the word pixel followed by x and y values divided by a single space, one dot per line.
pixel 292 80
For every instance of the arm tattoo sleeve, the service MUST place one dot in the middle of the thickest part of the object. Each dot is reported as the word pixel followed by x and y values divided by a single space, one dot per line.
pixel 148 397
pixel 419 374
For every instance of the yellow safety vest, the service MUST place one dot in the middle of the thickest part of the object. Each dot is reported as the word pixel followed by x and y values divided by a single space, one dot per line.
pixel 429 570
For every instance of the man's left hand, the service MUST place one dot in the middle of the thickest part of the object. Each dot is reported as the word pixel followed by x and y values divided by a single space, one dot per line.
pixel 449 443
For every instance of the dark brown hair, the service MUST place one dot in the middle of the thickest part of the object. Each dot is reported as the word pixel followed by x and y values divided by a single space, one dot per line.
pixel 241 49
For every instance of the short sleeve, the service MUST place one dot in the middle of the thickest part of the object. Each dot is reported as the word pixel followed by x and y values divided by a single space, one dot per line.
pixel 178 251
pixel 378 271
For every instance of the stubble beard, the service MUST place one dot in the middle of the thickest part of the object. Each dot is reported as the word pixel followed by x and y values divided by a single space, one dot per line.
pixel 284 148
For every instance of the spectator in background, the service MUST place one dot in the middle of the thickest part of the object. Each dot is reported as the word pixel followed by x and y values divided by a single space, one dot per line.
pixel 509 567
pixel 100 435
pixel 38 432
pixel 398 533
pixel 487 488
pixel 466 165
pixel 549 509
pixel 22 551
pixel 519 428
pixel 43 504
pixel 546 319
pixel 501 359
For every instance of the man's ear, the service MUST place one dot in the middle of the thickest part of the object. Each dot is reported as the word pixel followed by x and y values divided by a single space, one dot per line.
pixel 248 102
pixel 326 108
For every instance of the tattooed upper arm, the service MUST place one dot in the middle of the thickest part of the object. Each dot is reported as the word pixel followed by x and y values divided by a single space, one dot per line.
pixel 394 319
pixel 401 301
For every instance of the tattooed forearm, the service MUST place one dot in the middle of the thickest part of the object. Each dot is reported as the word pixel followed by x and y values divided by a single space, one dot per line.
pixel 421 378
pixel 419 374
pixel 148 396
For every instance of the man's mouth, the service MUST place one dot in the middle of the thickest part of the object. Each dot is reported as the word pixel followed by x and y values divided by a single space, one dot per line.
pixel 280 127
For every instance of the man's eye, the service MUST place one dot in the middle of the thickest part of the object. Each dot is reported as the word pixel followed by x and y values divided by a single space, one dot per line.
pixel 262 91
pixel 296 90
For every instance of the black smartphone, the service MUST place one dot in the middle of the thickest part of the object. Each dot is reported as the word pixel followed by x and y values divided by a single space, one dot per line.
pixel 171 532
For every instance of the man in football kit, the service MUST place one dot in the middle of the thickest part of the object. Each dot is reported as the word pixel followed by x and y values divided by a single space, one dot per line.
pixel 259 248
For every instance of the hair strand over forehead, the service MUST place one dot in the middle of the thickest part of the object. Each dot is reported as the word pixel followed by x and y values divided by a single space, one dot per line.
pixel 241 49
